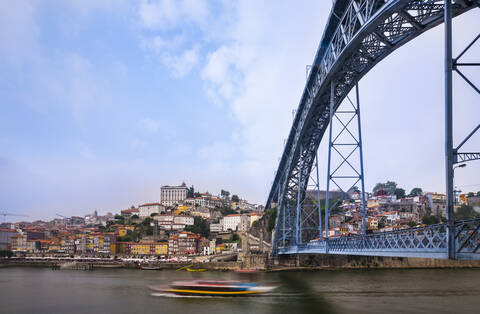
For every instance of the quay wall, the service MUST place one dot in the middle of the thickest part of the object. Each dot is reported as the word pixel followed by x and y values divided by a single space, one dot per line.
pixel 325 261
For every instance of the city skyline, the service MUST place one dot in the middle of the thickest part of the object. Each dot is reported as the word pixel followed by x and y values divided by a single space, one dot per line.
pixel 106 102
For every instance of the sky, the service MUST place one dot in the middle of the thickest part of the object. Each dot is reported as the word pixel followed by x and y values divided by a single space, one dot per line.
pixel 103 102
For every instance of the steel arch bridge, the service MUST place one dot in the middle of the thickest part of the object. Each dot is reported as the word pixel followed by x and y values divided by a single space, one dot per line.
pixel 358 35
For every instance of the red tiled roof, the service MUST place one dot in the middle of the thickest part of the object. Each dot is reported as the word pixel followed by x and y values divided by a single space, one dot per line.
pixel 150 204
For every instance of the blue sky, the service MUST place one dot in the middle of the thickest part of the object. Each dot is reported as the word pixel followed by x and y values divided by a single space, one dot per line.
pixel 105 101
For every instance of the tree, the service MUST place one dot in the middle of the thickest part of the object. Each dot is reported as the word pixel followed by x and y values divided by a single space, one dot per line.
pixel 200 226
pixel 147 221
pixel 272 216
pixel 119 217
pixel 400 193
pixel 412 223
pixel 197 194
pixel 135 217
pixel 235 198
pixel 470 194
pixel 153 214
pixel 388 186
pixel 415 192
pixel 224 193
pixel 466 212
pixel 131 236
pixel 430 220
pixel 191 192
pixel 227 211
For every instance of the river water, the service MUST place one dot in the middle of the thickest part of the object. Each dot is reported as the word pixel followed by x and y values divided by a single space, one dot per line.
pixel 41 290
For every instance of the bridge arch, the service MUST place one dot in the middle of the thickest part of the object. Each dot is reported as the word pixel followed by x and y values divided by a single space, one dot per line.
pixel 359 34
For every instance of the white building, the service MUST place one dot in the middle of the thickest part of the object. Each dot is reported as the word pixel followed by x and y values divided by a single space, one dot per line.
pixel 216 227
pixel 230 222
pixel 182 219
pixel 174 222
pixel 254 217
pixel 146 210
pixel 171 195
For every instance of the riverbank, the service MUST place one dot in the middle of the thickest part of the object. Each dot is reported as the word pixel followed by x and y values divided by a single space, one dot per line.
pixel 315 262
pixel 72 264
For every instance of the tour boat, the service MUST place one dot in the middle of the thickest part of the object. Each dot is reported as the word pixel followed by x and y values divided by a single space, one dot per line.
pixel 215 288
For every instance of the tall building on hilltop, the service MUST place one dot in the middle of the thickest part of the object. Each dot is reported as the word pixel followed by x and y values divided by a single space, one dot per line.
pixel 171 195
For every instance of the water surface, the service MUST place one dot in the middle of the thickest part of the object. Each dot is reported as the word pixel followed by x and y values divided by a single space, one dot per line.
pixel 41 290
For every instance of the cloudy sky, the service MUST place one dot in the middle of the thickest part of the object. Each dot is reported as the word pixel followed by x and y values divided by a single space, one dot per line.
pixel 102 102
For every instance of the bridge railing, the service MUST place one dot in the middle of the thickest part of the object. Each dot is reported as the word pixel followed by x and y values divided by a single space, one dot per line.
pixel 428 241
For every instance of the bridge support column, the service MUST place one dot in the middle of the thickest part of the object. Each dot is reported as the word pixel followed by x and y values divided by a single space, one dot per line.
pixel 449 130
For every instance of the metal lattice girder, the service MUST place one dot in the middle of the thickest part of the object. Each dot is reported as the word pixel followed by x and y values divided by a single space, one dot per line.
pixel 429 241
pixel 358 35
pixel 464 157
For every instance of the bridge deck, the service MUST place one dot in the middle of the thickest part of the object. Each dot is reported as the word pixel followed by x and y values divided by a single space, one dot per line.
pixel 424 242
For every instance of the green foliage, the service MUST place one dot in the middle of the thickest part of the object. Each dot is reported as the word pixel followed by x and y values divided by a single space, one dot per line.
pixel 196 194
pixel 388 186
pixel 200 226
pixel 153 214
pixel 381 224
pixel 149 231
pixel 131 236
pixel 430 220
pixel 191 192
pixel 6 253
pixel 412 224
pixel 466 212
pixel 235 198
pixel 272 216
pixel 227 211
pixel 400 193
pixel 415 192
pixel 135 217
pixel 234 238
pixel 470 194
pixel 224 193
pixel 119 217
pixel 147 221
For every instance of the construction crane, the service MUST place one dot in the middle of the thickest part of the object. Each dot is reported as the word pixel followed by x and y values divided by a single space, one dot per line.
pixel 5 214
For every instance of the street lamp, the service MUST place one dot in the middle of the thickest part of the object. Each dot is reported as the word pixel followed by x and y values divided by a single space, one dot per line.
pixel 453 178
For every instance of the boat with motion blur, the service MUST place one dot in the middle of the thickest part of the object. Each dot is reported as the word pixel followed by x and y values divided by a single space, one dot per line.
pixel 214 288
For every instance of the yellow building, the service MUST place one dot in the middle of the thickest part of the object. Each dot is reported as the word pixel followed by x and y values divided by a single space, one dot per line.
pixel 180 209
pixel 122 230
pixel 142 248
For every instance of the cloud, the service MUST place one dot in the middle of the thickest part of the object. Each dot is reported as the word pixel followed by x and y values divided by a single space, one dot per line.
pixel 174 31
pixel 170 14
pixel 149 125
pixel 258 73
pixel 181 65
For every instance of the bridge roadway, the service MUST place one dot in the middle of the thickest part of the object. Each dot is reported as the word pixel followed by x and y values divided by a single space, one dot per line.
pixel 358 35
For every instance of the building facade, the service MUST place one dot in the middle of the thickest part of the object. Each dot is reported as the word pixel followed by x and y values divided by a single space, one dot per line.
pixel 146 210
pixel 171 195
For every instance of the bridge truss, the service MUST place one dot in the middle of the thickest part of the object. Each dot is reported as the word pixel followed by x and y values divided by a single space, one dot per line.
pixel 358 35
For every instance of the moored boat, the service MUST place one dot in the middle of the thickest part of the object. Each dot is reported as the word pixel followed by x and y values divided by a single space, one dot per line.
pixel 145 267
pixel 215 288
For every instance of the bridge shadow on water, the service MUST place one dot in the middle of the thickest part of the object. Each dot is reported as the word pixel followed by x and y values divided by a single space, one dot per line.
pixel 307 301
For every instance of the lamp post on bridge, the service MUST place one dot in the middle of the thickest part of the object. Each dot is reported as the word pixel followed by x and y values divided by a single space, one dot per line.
pixel 455 191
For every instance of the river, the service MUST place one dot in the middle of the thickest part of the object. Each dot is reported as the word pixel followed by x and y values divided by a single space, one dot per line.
pixel 41 290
